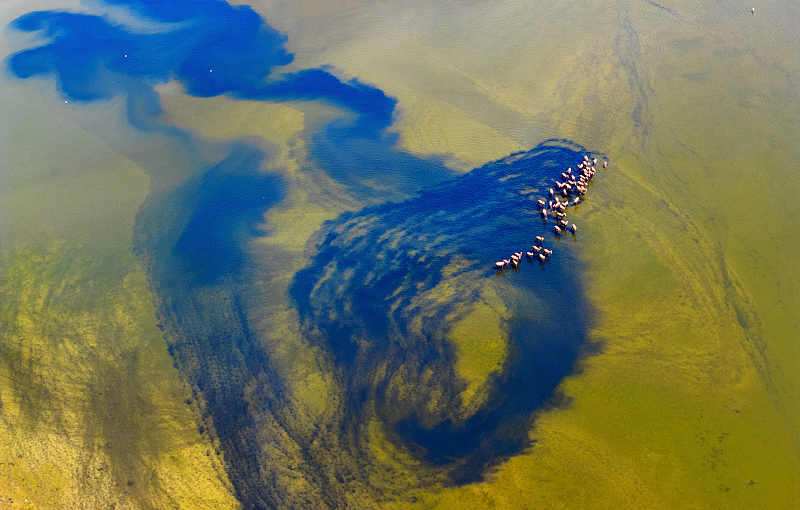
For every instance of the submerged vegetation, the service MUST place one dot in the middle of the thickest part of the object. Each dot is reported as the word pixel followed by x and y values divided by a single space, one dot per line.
pixel 92 410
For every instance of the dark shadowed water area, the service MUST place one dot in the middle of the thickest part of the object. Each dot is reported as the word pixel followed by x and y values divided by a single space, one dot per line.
pixel 360 299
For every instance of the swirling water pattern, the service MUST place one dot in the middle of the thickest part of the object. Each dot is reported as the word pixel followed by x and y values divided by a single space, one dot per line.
pixel 368 298
pixel 192 238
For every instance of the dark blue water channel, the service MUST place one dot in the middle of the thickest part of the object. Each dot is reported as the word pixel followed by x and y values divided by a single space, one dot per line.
pixel 194 238
pixel 213 48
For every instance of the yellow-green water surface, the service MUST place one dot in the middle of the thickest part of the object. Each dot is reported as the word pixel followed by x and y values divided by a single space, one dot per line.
pixel 690 241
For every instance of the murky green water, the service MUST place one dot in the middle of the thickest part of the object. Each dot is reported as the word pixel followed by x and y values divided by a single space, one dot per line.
pixel 688 244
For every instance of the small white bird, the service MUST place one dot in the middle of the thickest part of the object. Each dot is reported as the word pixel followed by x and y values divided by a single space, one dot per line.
pixel 753 11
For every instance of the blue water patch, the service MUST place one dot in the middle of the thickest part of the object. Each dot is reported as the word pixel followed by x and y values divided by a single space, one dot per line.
pixel 231 199
pixel 89 54
pixel 371 166
pixel 361 299
pixel 213 48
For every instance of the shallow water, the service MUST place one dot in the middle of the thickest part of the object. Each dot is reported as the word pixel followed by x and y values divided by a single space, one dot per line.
pixel 378 357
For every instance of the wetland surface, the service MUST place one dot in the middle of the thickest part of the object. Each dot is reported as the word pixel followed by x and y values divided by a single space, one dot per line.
pixel 247 255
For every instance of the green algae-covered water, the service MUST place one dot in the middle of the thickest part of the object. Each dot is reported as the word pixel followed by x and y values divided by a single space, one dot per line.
pixel 272 287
